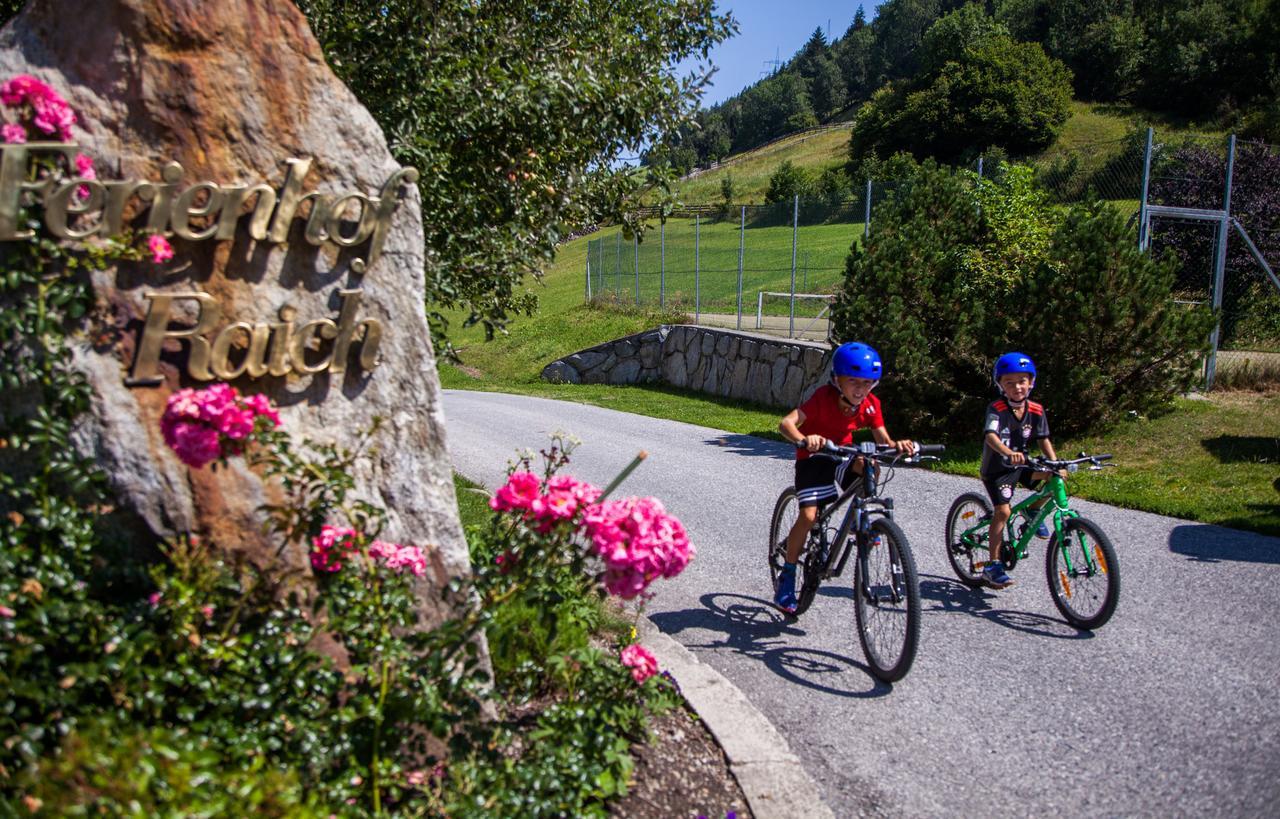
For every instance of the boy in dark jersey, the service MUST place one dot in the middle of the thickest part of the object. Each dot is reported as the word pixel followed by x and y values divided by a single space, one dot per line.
pixel 1012 424
pixel 832 413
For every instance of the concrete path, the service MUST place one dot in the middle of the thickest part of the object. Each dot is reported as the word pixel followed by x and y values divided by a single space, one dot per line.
pixel 1169 709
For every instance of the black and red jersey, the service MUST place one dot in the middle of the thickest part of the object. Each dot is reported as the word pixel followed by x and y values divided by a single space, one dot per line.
pixel 1016 432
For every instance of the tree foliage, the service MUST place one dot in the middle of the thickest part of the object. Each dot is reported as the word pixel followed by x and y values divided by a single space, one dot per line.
pixel 939 292
pixel 978 88
pixel 512 114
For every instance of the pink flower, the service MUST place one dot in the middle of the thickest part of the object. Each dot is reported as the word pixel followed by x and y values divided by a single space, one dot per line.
pixel 519 493
pixel 201 426
pixel 207 611
pixel 399 558
pixel 161 250
pixel 640 661
pixel 13 133
pixel 7 612
pixel 638 542
pixel 330 540
pixel 84 167
pixel 194 445
pixel 261 407
pixel 416 779
pixel 17 90
pixel 154 599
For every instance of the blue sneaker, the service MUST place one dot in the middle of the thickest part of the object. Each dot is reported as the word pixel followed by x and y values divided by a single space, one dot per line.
pixel 995 575
pixel 1042 532
pixel 785 597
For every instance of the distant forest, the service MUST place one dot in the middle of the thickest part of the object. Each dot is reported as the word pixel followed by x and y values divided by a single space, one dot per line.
pixel 949 79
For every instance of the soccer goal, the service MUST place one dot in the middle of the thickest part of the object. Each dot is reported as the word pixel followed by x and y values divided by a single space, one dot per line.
pixel 778 311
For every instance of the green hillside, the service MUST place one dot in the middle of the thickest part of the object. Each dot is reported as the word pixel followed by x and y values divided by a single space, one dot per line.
pixel 1101 137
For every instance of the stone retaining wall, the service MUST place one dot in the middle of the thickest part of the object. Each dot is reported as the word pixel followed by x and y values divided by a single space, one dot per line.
pixel 764 369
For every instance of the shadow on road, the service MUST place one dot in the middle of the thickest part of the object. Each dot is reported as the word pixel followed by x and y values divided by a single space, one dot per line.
pixel 1202 543
pixel 753 628
pixel 753 446
pixel 942 594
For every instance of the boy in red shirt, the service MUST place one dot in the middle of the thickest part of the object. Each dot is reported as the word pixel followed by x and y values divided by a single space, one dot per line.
pixel 832 413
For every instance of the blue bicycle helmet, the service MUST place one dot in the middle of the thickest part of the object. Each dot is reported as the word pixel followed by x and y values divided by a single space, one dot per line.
pixel 856 360
pixel 1013 363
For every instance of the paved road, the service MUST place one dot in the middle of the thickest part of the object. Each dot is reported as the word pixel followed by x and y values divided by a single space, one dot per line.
pixel 1170 709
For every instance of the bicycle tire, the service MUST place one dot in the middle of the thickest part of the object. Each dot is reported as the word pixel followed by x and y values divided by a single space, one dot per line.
pixel 785 512
pixel 1084 591
pixel 962 558
pixel 889 630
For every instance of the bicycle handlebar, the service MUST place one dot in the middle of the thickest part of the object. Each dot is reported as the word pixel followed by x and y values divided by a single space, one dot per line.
pixel 1071 465
pixel 879 452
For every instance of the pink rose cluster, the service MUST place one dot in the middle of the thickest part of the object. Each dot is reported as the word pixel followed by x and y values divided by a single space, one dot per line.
pixel 563 498
pixel 638 541
pixel 201 426
pixel 640 661
pixel 335 544
pixel 51 113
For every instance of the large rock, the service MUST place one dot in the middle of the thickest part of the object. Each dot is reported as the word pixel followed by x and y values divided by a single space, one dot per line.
pixel 230 91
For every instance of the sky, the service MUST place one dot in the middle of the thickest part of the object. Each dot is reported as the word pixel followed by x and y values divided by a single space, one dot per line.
pixel 769 29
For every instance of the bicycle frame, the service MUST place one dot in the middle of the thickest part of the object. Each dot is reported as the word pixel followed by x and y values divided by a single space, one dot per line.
pixel 1057 505
pixel 862 502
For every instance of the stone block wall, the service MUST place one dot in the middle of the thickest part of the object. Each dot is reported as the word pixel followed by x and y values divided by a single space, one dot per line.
pixel 764 369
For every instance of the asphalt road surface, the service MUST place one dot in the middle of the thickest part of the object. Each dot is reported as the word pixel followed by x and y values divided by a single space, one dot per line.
pixel 1169 709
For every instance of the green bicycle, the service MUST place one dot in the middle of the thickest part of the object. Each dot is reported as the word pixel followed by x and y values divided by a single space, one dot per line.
pixel 1081 565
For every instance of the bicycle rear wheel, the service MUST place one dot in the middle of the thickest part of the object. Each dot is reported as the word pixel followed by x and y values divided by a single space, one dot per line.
pixel 785 513
pixel 1087 592
pixel 967 556
pixel 887 602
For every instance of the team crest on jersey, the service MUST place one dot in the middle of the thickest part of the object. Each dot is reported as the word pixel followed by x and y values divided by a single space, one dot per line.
pixel 1026 431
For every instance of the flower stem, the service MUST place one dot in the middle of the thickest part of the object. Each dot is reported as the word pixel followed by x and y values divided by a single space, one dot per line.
pixel 622 476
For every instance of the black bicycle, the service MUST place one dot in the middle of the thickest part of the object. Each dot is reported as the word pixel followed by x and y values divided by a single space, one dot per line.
pixel 886 585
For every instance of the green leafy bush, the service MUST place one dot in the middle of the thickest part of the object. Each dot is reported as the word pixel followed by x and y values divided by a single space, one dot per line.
pixel 957 273
pixel 984 89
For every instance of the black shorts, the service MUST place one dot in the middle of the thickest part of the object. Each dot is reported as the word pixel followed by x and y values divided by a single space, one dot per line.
pixel 1000 486
pixel 817 479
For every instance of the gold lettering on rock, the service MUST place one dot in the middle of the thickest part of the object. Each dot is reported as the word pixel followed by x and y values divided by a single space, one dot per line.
pixel 219 206
pixel 275 348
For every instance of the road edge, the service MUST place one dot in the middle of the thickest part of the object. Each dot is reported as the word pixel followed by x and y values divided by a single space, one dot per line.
pixel 772 778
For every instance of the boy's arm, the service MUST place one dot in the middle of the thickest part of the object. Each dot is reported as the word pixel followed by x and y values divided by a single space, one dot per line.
pixel 999 448
pixel 904 446
pixel 1046 446
pixel 789 426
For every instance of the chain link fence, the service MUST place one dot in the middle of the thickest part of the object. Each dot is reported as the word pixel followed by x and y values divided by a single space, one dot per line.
pixel 776 268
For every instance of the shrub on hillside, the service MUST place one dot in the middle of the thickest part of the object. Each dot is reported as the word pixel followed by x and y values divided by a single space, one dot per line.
pixel 786 183
pixel 989 90
pixel 953 275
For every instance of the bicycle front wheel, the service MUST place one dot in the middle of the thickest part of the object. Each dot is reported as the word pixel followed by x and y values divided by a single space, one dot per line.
pixel 967 554
pixel 1084 576
pixel 887 602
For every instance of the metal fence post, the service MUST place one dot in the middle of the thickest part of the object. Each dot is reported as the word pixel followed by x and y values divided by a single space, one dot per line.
pixel 866 220
pixel 662 274
pixel 588 274
pixel 1220 266
pixel 697 282
pixel 637 268
pixel 742 235
pixel 617 276
pixel 1144 229
pixel 795 231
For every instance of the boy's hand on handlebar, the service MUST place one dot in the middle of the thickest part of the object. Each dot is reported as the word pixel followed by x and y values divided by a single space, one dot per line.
pixel 906 447
pixel 1016 458
pixel 814 442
